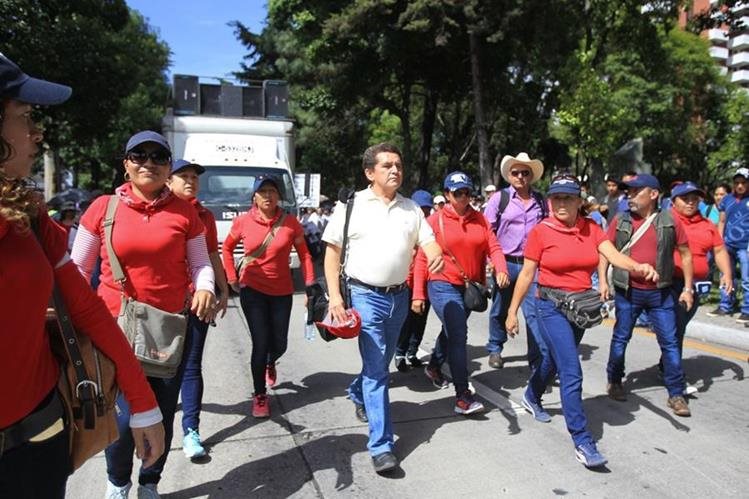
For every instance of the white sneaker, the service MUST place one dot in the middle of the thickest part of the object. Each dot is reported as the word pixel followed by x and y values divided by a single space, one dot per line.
pixel 148 491
pixel 115 492
pixel 690 390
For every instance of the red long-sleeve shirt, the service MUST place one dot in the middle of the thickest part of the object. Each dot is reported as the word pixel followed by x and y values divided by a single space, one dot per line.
pixel 270 273
pixel 471 241
pixel 29 371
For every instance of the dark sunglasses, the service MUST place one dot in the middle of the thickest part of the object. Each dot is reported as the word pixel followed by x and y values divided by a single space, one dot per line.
pixel 520 173
pixel 157 157
pixel 461 193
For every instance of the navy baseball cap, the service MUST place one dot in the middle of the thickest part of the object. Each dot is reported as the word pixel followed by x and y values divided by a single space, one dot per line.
pixel 17 85
pixel 685 188
pixel 147 136
pixel 422 198
pixel 643 180
pixel 181 164
pixel 458 180
pixel 268 179
pixel 564 184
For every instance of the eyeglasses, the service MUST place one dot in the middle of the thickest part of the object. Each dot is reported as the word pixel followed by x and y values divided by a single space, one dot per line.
pixel 461 193
pixel 159 157
pixel 520 173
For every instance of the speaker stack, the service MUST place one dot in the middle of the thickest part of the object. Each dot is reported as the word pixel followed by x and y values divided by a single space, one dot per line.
pixel 271 100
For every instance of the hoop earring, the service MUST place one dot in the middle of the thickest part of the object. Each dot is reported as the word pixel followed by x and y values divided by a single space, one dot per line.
pixel 127 176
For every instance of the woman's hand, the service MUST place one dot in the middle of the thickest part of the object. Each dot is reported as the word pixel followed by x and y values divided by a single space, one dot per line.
pixel 149 443
pixel 204 305
pixel 417 306
pixel 647 271
pixel 503 280
pixel 687 299
pixel 223 302
pixel 511 324
pixel 234 286
pixel 603 289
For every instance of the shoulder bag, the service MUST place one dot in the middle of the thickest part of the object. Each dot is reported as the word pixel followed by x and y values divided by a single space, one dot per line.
pixel 248 259
pixel 157 337
pixel 475 294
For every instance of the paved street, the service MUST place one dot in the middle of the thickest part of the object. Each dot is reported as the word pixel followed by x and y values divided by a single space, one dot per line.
pixel 313 446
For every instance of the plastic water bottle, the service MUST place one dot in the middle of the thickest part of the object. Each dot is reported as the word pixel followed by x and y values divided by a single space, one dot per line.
pixel 309 329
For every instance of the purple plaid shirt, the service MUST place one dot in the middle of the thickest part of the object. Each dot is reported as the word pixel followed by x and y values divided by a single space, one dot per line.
pixel 517 221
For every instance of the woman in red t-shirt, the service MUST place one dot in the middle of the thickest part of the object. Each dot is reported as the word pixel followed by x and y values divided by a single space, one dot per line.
pixel 564 249
pixel 34 433
pixel 184 182
pixel 264 284
pixel 155 235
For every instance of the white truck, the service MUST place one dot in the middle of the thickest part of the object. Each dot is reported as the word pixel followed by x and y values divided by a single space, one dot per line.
pixel 234 151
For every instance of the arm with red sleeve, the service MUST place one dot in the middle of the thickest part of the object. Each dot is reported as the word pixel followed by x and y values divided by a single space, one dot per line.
pixel 308 270
pixel 227 250
pixel 420 272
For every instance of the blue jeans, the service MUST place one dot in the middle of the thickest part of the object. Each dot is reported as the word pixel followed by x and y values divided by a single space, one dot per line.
pixel 412 333
pixel 120 453
pixel 498 315
pixel 382 317
pixel 447 300
pixel 728 301
pixel 683 316
pixel 660 307
pixel 562 339
pixel 268 319
pixel 192 381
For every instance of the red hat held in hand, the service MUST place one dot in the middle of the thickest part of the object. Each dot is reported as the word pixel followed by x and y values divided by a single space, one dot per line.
pixel 349 329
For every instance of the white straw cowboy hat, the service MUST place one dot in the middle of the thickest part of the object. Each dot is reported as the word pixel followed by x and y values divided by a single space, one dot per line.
pixel 536 166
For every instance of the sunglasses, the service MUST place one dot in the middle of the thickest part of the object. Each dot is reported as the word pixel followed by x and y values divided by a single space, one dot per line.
pixel 461 193
pixel 520 173
pixel 157 157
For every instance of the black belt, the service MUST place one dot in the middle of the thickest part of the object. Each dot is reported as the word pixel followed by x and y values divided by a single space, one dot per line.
pixel 32 425
pixel 514 259
pixel 380 289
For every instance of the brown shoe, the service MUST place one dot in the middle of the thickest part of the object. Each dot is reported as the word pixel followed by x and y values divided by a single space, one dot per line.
pixel 678 405
pixel 496 361
pixel 616 392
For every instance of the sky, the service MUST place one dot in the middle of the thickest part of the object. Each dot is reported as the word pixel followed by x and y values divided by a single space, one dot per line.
pixel 198 34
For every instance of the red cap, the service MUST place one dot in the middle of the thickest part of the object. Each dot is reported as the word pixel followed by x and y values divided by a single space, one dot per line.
pixel 350 329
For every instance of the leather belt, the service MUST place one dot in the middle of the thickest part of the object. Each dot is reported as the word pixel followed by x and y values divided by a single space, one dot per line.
pixel 379 289
pixel 32 425
pixel 514 259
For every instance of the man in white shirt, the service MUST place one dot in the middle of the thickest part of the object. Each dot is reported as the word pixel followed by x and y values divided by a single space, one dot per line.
pixel 383 230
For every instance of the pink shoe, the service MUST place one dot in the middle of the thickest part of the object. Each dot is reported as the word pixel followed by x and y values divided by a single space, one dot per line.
pixel 270 375
pixel 261 406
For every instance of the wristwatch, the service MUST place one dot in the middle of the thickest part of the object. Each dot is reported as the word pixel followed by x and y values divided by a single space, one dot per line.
pixel 688 290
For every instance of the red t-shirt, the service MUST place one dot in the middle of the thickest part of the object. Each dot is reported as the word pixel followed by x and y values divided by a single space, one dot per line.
pixel 150 241
pixel 471 241
pixel 646 249
pixel 29 371
pixel 703 236
pixel 270 273
pixel 566 256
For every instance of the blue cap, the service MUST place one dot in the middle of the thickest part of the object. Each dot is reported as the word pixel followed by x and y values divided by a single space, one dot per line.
pixel 422 198
pixel 643 180
pixel 181 164
pixel 685 188
pixel 265 179
pixel 147 136
pixel 17 85
pixel 458 180
pixel 565 184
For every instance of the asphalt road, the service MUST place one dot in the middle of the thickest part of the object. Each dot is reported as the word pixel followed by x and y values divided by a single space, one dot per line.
pixel 313 446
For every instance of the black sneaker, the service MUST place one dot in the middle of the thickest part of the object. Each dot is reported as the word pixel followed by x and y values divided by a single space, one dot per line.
pixel 361 413
pixel 384 462
pixel 743 319
pixel 415 361
pixel 718 312
pixel 400 364
pixel 436 377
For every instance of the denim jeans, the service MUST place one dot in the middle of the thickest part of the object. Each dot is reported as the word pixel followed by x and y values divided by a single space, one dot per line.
pixel 268 319
pixel 412 333
pixel 192 380
pixel 683 316
pixel 660 307
pixel 120 453
pixel 728 301
pixel 37 469
pixel 447 300
pixel 382 317
pixel 562 339
pixel 498 315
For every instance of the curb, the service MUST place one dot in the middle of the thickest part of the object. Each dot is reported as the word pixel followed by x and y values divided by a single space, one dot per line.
pixel 726 336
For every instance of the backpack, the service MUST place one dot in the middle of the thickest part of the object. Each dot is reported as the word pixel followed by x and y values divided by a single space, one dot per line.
pixel 504 200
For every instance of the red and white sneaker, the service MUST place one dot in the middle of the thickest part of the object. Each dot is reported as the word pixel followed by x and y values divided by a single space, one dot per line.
pixel 466 404
pixel 270 375
pixel 261 406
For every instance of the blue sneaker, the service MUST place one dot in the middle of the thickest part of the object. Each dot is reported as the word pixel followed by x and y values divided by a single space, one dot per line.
pixel 535 409
pixel 191 445
pixel 588 455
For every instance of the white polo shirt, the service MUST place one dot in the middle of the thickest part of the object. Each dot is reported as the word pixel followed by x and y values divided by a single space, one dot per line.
pixel 381 237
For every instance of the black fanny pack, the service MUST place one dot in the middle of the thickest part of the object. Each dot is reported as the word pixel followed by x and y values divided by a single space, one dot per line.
pixel 583 309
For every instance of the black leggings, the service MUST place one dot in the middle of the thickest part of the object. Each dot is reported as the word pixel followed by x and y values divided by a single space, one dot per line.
pixel 268 319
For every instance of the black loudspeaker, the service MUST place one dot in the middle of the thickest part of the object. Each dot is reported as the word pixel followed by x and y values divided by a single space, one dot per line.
pixel 276 98
pixel 186 95
pixel 252 102
pixel 231 100
pixel 210 99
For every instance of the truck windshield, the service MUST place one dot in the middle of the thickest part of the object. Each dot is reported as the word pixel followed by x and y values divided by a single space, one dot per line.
pixel 230 187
